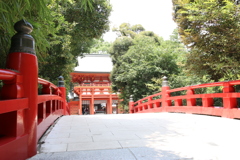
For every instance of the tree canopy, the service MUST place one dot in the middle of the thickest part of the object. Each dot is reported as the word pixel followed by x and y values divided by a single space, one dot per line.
pixel 100 46
pixel 78 31
pixel 138 59
pixel 211 31
pixel 63 30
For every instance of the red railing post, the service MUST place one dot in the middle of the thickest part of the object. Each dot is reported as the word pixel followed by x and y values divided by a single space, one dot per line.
pixel 131 105
pixel 22 58
pixel 150 105
pixel 62 88
pixel 229 102
pixel 178 102
pixel 190 101
pixel 229 96
pixel 207 102
pixel 165 94
pixel 46 89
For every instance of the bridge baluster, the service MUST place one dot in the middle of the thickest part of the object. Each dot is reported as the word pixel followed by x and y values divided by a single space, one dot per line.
pixel 165 94
pixel 229 101
pixel 22 58
pixel 131 110
pixel 62 88
pixel 25 115
pixel 150 105
pixel 191 101
pixel 207 102
pixel 46 89
pixel 229 96
pixel 178 102
pixel 157 104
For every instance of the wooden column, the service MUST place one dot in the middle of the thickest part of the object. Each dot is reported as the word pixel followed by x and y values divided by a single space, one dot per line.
pixel 80 104
pixel 107 107
pixel 91 107
pixel 109 104
pixel 80 101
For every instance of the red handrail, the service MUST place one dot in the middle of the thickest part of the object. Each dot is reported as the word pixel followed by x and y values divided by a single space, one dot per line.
pixel 167 103
pixel 47 83
pixel 54 104
pixel 25 115
pixel 96 84
pixel 7 74
pixel 50 105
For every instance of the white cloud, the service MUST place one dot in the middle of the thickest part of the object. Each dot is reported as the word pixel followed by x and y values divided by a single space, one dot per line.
pixel 153 15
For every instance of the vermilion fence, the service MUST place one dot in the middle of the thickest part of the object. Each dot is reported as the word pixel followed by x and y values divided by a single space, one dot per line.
pixel 25 115
pixel 51 104
pixel 96 84
pixel 165 102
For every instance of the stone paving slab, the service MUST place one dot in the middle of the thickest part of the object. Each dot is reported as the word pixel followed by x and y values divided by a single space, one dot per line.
pixel 140 153
pixel 94 145
pixel 117 154
pixel 142 137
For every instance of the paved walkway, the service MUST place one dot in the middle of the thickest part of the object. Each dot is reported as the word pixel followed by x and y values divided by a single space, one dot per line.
pixel 151 136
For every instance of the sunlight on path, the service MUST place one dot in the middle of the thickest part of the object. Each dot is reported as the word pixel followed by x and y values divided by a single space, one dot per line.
pixel 142 136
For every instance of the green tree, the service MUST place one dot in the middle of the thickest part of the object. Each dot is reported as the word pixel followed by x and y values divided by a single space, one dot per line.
pixel 63 30
pixel 77 30
pixel 210 29
pixel 181 78
pixel 36 12
pixel 39 13
pixel 90 25
pixel 100 46
pixel 137 59
pixel 125 29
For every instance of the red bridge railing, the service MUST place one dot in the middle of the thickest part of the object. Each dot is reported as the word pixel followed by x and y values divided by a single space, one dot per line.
pixel 25 115
pixel 51 105
pixel 164 102
pixel 96 84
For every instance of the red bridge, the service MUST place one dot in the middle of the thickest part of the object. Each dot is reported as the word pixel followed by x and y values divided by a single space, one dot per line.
pixel 164 102
pixel 26 114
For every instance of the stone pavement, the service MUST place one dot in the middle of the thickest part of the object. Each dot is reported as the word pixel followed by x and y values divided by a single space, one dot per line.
pixel 149 136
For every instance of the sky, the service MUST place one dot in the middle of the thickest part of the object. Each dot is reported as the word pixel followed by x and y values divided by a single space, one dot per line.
pixel 94 63
pixel 153 15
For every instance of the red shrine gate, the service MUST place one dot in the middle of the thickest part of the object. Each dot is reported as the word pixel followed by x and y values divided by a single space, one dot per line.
pixel 92 87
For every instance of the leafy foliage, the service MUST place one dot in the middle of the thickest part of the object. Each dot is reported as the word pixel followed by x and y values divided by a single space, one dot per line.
pixel 63 30
pixel 125 29
pixel 137 60
pixel 210 29
pixel 100 46
pixel 90 24
pixel 36 12
pixel 77 29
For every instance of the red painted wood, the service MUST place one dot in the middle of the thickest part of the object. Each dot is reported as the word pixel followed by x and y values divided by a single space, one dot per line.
pixel 63 91
pixel 27 65
pixel 48 87
pixel 44 98
pixel 7 74
pixel 13 105
pixel 93 86
pixel 229 97
pixel 21 113
pixel 12 148
pixel 25 116
pixel 43 125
